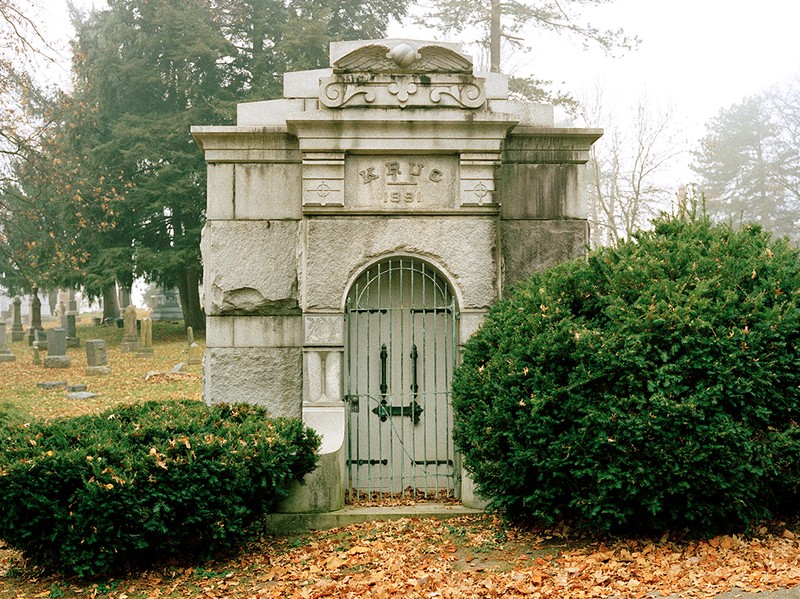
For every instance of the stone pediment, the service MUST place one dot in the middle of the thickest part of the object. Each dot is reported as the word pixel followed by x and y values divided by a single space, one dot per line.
pixel 402 74
pixel 403 58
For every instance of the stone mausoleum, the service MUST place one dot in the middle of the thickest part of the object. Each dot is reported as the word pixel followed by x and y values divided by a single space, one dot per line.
pixel 358 229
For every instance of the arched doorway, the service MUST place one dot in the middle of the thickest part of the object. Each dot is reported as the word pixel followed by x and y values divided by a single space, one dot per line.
pixel 399 358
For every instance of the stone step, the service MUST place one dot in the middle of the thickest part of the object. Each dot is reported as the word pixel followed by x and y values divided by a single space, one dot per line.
pixel 285 524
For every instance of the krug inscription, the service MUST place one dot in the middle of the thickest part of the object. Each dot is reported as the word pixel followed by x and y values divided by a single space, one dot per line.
pixel 427 182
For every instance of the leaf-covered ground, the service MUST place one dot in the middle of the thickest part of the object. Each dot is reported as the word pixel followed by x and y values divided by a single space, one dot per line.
pixel 464 557
pixel 459 558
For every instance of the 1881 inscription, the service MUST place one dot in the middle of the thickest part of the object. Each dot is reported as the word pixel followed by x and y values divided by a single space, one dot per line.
pixel 401 182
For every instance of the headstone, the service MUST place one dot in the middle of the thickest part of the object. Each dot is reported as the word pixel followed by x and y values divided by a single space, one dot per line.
pixel 167 306
pixel 146 342
pixel 72 331
pixel 57 350
pixel 5 352
pixel 195 354
pixel 51 384
pixel 75 388
pixel 39 340
pixel 52 301
pixel 96 357
pixel 72 305
pixel 130 340
pixel 178 368
pixel 36 315
pixel 81 395
pixel 62 309
pixel 37 358
pixel 17 332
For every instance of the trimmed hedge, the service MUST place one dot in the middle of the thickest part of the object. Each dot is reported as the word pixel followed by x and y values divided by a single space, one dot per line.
pixel 654 386
pixel 140 483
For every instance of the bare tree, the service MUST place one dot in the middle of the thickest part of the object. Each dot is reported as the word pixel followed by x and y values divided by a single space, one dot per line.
pixel 629 166
pixel 501 28
pixel 21 41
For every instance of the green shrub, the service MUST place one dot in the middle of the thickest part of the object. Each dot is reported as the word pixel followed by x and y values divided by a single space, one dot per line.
pixel 140 483
pixel 655 385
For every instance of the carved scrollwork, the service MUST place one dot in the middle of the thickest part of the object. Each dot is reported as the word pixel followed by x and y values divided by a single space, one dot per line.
pixel 403 90
pixel 467 95
pixel 337 94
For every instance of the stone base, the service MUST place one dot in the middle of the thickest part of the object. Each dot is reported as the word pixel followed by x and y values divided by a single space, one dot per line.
pixel 17 336
pixel 73 342
pixel 98 370
pixel 469 496
pixel 8 357
pixel 323 489
pixel 57 362
pixel 129 346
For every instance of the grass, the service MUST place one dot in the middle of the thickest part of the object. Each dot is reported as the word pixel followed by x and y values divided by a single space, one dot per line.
pixel 21 399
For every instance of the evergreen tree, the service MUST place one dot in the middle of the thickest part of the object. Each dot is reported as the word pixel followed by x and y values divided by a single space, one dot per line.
pixel 125 196
pixel 747 162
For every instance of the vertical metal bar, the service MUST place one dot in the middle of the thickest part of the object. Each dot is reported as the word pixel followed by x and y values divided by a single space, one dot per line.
pixel 414 385
pixel 387 301
pixel 384 354
pixel 348 395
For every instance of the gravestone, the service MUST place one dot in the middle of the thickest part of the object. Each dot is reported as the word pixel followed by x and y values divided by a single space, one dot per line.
pixel 72 306
pixel 195 354
pixel 17 332
pixel 35 316
pixel 5 352
pixel 57 350
pixel 52 301
pixel 81 395
pixel 167 307
pixel 130 339
pixel 39 340
pixel 146 341
pixel 51 385
pixel 72 330
pixel 97 357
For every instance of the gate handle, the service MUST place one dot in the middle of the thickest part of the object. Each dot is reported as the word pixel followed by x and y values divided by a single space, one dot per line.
pixel 384 355
pixel 414 356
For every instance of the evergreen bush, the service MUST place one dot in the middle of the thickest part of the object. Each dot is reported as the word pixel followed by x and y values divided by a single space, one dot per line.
pixel 653 386
pixel 140 483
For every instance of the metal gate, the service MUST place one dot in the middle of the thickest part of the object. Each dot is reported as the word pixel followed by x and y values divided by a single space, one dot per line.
pixel 401 350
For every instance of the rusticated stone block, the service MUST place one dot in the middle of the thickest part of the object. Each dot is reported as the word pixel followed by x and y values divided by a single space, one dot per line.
pixel 532 245
pixel 251 267
pixel 463 249
pixel 269 377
